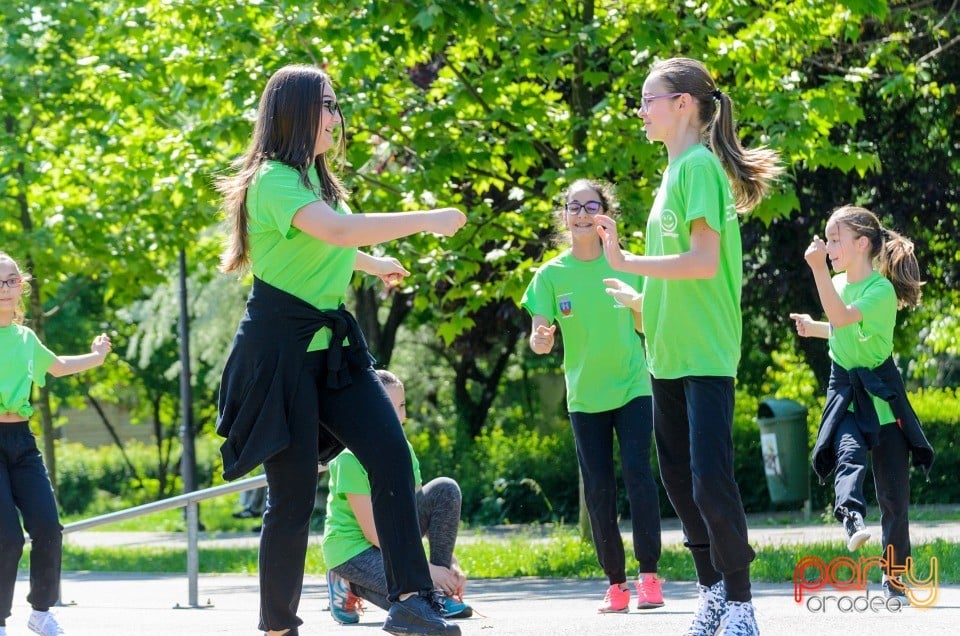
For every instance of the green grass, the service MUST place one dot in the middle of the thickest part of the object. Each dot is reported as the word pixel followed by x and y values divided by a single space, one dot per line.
pixel 560 554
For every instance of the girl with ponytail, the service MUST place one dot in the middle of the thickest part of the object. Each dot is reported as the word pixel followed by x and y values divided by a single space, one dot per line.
pixel 867 407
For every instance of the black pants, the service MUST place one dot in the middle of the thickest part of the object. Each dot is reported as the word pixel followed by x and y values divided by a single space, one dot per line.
pixel 25 486
pixel 593 433
pixel 891 476
pixel 362 417
pixel 693 423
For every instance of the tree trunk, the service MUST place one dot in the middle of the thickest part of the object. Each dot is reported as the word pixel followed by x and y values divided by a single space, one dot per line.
pixel 116 438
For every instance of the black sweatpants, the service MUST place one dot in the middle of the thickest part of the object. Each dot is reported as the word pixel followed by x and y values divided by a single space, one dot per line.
pixel 693 424
pixel 891 476
pixel 362 417
pixel 25 487
pixel 593 433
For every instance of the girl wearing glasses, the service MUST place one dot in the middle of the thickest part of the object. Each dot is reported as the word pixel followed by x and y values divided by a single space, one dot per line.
pixel 25 487
pixel 691 317
pixel 608 389
pixel 299 384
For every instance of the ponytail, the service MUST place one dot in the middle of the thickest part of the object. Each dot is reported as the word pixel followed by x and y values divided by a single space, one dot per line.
pixel 752 171
pixel 898 263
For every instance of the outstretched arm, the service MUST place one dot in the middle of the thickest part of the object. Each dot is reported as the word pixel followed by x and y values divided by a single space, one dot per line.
pixel 807 327
pixel 68 365
pixel 321 221
pixel 700 261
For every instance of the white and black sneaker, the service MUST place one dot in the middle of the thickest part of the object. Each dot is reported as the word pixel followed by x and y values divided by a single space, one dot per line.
pixel 711 608
pixel 739 620
pixel 857 533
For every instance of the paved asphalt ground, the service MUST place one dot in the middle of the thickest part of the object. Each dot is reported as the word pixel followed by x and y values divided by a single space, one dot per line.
pixel 107 604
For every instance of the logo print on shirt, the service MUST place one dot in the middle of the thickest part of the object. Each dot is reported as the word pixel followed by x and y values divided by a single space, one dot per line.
pixel 565 303
pixel 668 223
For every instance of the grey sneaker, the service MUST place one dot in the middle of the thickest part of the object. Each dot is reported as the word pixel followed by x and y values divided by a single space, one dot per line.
pixel 44 623
pixel 711 609
pixel 857 533
pixel 895 588
pixel 421 614
pixel 739 620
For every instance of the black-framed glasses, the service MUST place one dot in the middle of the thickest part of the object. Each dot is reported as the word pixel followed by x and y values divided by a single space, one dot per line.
pixel 333 107
pixel 12 283
pixel 645 100
pixel 590 207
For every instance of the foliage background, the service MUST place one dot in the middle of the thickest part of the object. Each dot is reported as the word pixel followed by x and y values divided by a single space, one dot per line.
pixel 119 114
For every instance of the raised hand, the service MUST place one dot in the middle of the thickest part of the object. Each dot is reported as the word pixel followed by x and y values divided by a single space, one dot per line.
pixel 607 229
pixel 816 254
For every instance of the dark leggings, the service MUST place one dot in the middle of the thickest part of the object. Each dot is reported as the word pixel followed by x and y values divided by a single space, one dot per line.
pixel 362 417
pixel 891 476
pixel 593 433
pixel 25 486
pixel 438 507
pixel 693 422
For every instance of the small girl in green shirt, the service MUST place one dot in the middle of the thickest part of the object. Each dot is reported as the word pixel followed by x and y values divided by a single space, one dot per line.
pixel 867 406
pixel 25 486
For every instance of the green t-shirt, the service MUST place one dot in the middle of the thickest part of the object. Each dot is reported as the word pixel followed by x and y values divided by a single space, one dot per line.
pixel 694 326
pixel 342 536
pixel 25 362
pixel 603 359
pixel 869 342
pixel 291 260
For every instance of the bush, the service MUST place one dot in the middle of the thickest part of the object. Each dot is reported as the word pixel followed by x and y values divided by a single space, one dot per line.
pixel 98 480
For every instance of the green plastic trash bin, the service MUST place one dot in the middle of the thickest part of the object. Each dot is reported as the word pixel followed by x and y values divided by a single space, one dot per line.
pixel 783 439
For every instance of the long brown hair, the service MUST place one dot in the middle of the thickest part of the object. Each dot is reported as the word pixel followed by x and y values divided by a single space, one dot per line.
pixel 20 310
pixel 893 252
pixel 750 171
pixel 288 122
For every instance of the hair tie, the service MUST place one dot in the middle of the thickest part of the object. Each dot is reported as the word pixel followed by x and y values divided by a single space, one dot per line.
pixel 716 94
pixel 884 234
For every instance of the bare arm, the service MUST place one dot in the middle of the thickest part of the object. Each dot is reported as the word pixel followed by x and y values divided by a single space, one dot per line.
pixel 386 268
pixel 700 261
pixel 838 313
pixel 807 327
pixel 68 365
pixel 362 507
pixel 322 222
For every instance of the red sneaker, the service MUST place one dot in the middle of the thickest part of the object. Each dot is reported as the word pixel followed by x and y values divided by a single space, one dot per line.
pixel 616 600
pixel 649 592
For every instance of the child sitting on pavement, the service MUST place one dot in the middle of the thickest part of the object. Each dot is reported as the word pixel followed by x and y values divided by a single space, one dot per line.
pixel 351 547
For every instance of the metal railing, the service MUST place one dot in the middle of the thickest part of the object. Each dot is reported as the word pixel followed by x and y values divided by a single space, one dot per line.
pixel 187 500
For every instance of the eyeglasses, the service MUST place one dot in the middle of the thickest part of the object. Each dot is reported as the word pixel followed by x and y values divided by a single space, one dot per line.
pixel 12 283
pixel 645 101
pixel 590 207
pixel 332 107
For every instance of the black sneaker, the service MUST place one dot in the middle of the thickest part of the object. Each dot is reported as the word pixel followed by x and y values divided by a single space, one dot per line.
pixel 420 614
pixel 895 589
pixel 857 533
